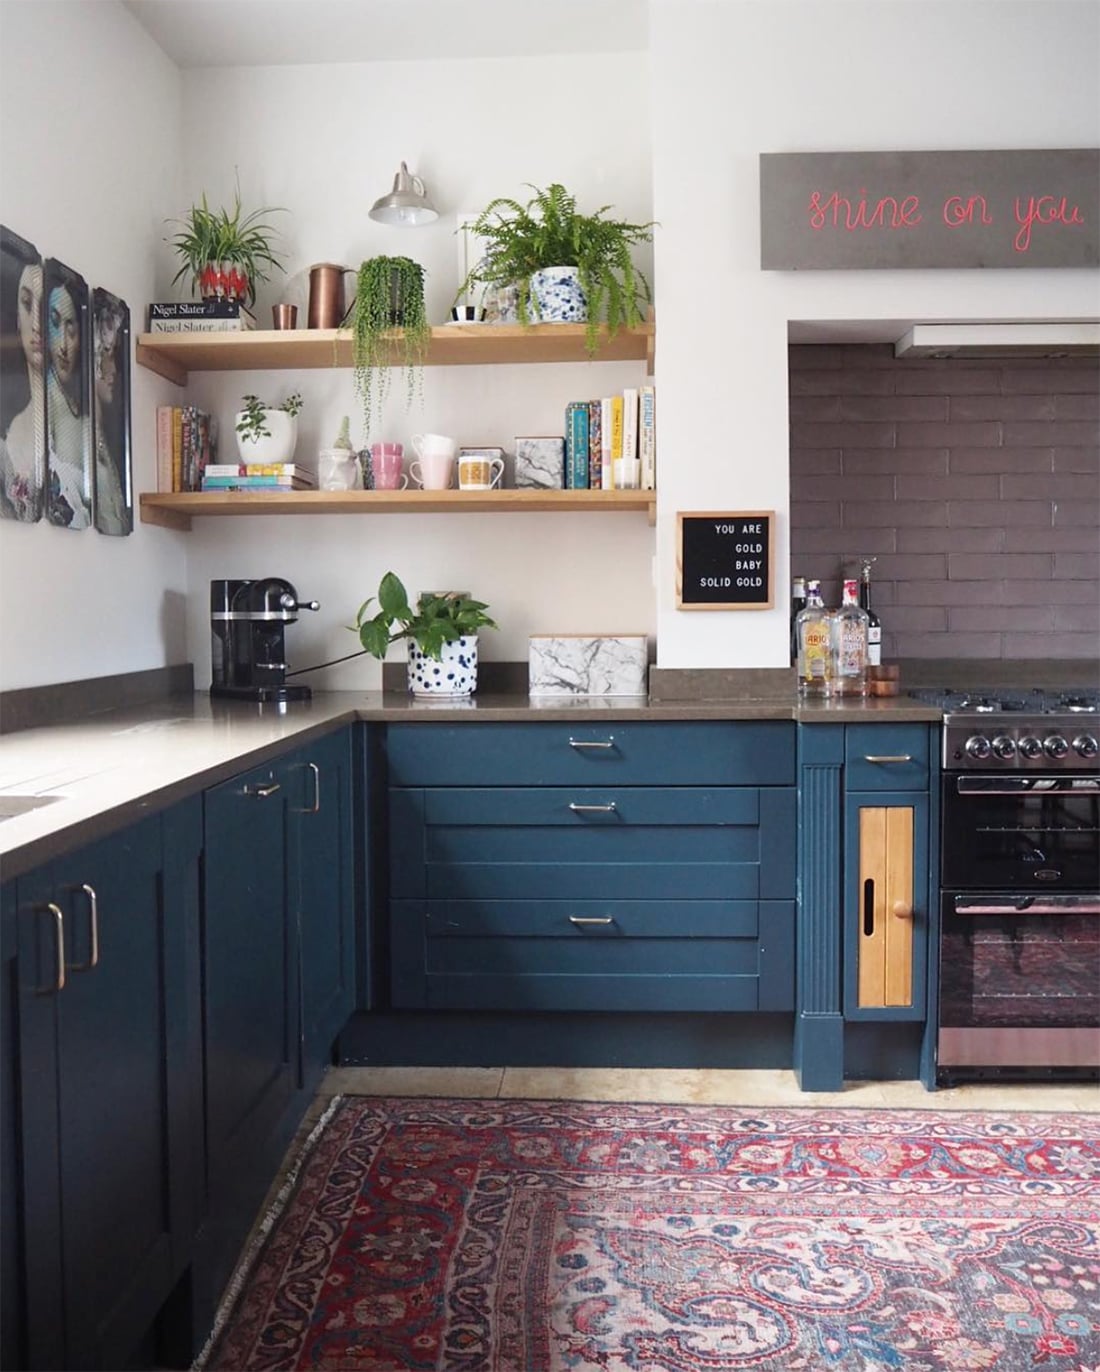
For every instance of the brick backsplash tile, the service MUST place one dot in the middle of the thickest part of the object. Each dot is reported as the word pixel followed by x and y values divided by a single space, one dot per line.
pixel 847 487
pixel 1016 617
pixel 954 487
pixel 1078 565
pixel 812 461
pixel 966 514
pixel 963 459
pixel 948 381
pixel 902 568
pixel 920 619
pixel 950 593
pixel 1061 378
pixel 1081 540
pixel 861 355
pixel 994 566
pixel 1059 486
pixel 1083 406
pixel 842 382
pixel 1076 460
pixel 812 514
pixel 1059 591
pixel 948 435
pixel 948 540
pixel 1067 433
pixel 818 540
pixel 917 512
pixel 927 461
pixel 830 435
pixel 1085 618
pixel 1076 514
pixel 813 357
pixel 1004 407
pixel 970 646
pixel 931 408
pixel 1060 644
pixel 815 407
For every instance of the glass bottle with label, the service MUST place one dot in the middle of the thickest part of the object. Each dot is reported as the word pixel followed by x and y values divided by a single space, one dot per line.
pixel 874 624
pixel 798 604
pixel 813 632
pixel 849 626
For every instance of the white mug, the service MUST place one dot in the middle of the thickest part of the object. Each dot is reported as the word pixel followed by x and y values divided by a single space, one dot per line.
pixel 434 470
pixel 478 472
pixel 427 445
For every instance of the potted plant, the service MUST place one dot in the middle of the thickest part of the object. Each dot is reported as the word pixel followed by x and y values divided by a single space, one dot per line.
pixel 389 297
pixel 565 266
pixel 267 434
pixel 225 252
pixel 441 632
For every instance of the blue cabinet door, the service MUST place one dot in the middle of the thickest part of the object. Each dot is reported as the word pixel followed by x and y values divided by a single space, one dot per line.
pixel 250 975
pixel 11 1272
pixel 102 1006
pixel 322 835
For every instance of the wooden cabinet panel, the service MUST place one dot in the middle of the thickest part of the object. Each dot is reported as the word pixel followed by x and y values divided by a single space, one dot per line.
pixel 885 950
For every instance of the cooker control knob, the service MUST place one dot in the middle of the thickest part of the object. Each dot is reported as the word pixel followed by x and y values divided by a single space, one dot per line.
pixel 1056 746
pixel 977 747
pixel 1029 747
pixel 1085 746
pixel 1004 747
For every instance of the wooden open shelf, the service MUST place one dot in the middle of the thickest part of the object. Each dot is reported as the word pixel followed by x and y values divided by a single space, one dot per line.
pixel 176 511
pixel 175 355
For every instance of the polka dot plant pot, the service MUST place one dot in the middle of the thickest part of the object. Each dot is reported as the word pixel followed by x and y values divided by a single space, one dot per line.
pixel 558 297
pixel 455 675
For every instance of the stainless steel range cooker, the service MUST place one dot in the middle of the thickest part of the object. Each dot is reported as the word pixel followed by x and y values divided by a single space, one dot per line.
pixel 1019 982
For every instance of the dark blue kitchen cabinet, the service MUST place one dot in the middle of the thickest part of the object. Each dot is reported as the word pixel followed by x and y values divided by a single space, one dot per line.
pixel 636 867
pixel 11 1273
pixel 106 995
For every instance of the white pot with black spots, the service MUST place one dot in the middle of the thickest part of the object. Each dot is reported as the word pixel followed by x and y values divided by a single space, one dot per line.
pixel 455 674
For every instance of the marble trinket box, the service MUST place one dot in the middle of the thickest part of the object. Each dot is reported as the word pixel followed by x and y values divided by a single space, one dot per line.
pixel 540 463
pixel 586 665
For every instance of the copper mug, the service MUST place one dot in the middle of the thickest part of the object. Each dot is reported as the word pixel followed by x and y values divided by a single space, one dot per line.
pixel 326 295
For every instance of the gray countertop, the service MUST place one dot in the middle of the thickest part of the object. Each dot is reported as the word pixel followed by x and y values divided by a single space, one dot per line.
pixel 103 772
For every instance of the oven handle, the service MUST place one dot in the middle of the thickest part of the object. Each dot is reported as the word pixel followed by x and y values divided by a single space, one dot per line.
pixel 1027 905
pixel 1015 786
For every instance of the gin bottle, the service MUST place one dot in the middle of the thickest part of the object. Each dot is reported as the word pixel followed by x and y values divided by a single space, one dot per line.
pixel 849 626
pixel 813 634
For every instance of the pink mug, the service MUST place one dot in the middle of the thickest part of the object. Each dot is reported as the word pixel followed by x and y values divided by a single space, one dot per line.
pixel 386 459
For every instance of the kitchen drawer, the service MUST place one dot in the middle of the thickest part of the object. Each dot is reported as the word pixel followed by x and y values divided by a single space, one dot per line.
pixel 540 954
pixel 886 757
pixel 641 753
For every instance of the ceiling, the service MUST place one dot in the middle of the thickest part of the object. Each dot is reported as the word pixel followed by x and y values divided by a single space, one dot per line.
pixel 260 33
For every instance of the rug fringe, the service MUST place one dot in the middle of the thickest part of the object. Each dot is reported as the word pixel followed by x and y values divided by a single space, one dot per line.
pixel 244 1263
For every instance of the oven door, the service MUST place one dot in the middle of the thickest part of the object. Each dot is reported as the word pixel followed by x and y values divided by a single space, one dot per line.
pixel 1021 833
pixel 1019 984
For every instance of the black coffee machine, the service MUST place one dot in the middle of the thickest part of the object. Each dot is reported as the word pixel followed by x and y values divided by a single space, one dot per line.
pixel 248 656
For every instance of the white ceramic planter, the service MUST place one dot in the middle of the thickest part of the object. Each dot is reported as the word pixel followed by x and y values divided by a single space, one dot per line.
pixel 278 446
pixel 454 675
pixel 558 297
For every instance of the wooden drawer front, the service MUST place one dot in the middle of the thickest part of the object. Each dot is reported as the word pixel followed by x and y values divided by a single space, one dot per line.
pixel 613 754
pixel 666 843
pixel 543 955
pixel 886 757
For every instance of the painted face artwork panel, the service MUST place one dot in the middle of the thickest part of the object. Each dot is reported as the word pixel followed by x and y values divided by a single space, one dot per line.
pixel 112 490
pixel 68 411
pixel 22 379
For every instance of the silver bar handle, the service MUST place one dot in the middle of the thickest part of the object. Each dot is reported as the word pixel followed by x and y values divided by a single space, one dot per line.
pixel 315 808
pixel 585 743
pixel 59 929
pixel 263 789
pixel 608 809
pixel 582 921
pixel 888 757
pixel 93 918
pixel 1027 905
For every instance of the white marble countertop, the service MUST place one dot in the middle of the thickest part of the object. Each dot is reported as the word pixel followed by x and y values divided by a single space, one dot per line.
pixel 100 773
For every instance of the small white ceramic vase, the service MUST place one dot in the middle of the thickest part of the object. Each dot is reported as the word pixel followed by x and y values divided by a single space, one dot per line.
pixel 557 297
pixel 454 675
pixel 277 446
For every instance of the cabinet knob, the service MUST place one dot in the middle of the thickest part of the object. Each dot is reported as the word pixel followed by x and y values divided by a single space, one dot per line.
pixel 902 910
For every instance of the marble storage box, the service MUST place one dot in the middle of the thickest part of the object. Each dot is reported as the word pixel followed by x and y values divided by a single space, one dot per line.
pixel 540 463
pixel 586 665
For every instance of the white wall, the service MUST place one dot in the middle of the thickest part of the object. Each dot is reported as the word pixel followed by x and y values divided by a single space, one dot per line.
pixel 89 138
pixel 734 78
pixel 325 141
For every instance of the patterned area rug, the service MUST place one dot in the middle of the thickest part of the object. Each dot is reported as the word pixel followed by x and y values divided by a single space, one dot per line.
pixel 535 1236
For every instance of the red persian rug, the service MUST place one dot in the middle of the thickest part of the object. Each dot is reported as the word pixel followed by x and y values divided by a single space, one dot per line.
pixel 536 1236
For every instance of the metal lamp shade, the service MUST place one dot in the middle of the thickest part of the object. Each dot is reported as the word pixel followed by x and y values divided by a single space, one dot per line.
pixel 407 204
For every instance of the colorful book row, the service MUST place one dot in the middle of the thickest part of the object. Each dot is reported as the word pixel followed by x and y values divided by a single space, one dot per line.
pixel 611 443
pixel 186 446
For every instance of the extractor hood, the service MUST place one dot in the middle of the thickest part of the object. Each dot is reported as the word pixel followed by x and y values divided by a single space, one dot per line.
pixel 1079 338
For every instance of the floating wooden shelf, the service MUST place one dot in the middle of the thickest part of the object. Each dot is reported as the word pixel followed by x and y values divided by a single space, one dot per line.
pixel 175 355
pixel 176 511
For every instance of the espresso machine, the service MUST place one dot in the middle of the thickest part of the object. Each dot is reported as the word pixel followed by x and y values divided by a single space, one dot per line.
pixel 248 655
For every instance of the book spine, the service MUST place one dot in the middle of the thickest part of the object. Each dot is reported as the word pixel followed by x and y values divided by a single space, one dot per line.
pixel 570 447
pixel 164 448
pixel 595 441
pixel 177 448
pixel 647 436
pixel 187 458
pixel 252 483
pixel 197 325
pixel 606 470
pixel 630 424
pixel 203 309
pixel 580 446
pixel 616 435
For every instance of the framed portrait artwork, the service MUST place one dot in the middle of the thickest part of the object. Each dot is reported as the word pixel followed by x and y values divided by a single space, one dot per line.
pixel 22 380
pixel 69 461
pixel 112 493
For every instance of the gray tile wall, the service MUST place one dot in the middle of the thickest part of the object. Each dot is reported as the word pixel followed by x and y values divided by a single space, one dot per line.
pixel 975 484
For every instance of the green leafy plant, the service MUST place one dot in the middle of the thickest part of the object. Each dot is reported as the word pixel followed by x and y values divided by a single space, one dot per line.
pixel 437 619
pixel 252 419
pixel 209 237
pixel 343 438
pixel 388 316
pixel 548 231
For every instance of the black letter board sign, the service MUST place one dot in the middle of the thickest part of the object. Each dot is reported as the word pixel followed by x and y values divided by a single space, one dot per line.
pixel 1003 208
pixel 724 560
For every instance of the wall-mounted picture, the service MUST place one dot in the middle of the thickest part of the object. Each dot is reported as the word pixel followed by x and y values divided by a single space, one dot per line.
pixel 69 461
pixel 22 382
pixel 112 491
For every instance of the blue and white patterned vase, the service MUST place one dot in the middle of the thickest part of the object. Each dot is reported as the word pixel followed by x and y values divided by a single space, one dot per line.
pixel 557 297
pixel 454 675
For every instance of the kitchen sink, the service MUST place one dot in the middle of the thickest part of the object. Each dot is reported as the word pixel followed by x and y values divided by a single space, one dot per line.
pixel 11 807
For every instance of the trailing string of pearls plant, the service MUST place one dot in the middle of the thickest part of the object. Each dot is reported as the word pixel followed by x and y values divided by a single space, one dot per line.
pixel 388 309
